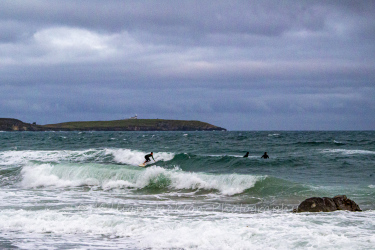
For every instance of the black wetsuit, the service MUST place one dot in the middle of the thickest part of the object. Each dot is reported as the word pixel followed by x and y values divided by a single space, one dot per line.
pixel 147 157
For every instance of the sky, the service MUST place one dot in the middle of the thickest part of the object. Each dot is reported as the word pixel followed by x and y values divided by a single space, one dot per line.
pixel 241 65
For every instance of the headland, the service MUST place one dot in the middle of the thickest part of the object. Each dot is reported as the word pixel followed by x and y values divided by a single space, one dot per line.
pixel 10 124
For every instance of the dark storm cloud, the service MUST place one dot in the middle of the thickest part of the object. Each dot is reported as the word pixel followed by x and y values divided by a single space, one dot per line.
pixel 239 64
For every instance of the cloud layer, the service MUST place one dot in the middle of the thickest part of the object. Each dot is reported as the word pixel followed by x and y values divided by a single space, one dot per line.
pixel 243 65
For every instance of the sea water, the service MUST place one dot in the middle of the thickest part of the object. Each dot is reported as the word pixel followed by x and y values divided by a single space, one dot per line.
pixel 84 190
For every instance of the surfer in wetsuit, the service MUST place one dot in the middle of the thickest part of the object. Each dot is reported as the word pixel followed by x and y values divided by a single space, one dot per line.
pixel 147 157
pixel 246 155
pixel 265 156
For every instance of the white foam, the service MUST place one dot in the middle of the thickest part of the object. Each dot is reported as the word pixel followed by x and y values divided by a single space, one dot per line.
pixel 133 157
pixel 117 184
pixel 22 157
pixel 44 175
pixel 65 175
pixel 348 151
pixel 273 134
pixel 199 229
pixel 228 184
pixel 124 156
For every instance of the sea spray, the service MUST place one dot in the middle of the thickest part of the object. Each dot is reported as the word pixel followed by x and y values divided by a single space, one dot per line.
pixel 65 175
pixel 106 155
pixel 134 157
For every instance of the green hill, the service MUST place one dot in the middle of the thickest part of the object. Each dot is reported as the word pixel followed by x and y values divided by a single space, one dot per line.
pixel 134 125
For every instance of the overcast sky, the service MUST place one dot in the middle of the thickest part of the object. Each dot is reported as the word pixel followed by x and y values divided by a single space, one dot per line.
pixel 241 65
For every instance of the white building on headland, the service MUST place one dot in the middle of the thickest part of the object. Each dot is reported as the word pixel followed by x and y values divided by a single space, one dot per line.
pixel 134 117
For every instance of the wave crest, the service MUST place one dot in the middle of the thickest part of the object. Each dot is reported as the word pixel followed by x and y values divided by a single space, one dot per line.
pixel 121 156
pixel 113 177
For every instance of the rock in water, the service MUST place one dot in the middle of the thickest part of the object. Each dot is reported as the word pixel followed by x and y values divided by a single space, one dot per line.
pixel 325 204
pixel 343 203
pixel 317 204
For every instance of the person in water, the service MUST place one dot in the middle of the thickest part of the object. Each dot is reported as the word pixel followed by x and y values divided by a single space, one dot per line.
pixel 147 157
pixel 265 156
pixel 246 155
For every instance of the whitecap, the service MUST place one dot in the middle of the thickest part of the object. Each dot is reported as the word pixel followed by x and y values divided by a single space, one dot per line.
pixel 73 175
pixel 134 157
pixel 348 151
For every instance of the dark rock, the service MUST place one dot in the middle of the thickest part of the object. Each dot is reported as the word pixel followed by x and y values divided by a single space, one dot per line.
pixel 343 203
pixel 317 204
pixel 325 204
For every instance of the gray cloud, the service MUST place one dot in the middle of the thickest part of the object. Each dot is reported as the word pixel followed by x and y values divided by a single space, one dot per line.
pixel 238 64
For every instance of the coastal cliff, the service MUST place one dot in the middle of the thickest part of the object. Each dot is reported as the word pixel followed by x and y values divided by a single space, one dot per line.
pixel 7 124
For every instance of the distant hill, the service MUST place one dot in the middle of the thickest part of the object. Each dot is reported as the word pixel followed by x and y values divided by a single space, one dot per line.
pixel 7 124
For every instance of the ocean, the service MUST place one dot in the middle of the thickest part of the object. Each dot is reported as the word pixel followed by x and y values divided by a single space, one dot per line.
pixel 85 190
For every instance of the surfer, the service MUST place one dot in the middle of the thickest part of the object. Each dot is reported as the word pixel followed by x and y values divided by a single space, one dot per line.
pixel 246 155
pixel 147 157
pixel 265 156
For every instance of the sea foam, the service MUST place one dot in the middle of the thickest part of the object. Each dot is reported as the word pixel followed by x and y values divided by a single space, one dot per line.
pixel 112 177
pixel 133 157
pixel 349 151
pixel 123 156
pixel 208 231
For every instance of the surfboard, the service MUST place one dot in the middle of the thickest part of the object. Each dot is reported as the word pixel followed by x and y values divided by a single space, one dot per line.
pixel 143 165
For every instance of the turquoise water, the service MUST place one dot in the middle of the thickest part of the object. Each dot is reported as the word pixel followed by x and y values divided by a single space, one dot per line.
pixel 85 190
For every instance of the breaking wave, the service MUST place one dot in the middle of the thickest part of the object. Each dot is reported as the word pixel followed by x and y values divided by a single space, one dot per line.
pixel 155 177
